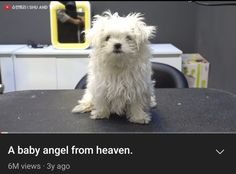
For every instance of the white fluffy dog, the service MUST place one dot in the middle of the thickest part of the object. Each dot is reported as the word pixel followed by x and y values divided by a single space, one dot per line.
pixel 119 74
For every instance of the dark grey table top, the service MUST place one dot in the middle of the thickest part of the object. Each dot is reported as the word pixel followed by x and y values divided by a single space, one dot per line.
pixel 178 110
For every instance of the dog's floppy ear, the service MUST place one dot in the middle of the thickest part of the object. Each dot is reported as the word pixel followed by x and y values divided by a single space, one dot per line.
pixel 149 32
pixel 91 35
pixel 140 29
pixel 98 25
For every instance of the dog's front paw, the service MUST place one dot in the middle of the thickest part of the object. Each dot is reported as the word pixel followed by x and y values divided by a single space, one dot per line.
pixel 99 115
pixel 82 108
pixel 140 119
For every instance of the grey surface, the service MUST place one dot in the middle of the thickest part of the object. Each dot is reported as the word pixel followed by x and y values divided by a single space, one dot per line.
pixel 216 40
pixel 207 30
pixel 179 110
pixel 19 26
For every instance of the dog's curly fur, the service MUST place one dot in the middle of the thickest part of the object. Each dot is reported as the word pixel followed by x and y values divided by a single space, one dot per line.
pixel 119 72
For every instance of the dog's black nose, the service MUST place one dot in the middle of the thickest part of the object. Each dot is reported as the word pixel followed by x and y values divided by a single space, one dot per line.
pixel 117 46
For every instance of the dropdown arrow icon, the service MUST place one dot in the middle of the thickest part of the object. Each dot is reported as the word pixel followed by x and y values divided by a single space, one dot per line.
pixel 220 151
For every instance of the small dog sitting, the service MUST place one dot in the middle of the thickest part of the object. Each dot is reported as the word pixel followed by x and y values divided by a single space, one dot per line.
pixel 119 74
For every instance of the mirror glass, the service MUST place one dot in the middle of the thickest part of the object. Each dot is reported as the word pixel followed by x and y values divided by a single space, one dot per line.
pixel 70 21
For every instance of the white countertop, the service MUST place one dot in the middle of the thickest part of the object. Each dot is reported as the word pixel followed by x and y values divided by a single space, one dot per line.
pixel 165 49
pixel 9 49
pixel 51 51
pixel 157 49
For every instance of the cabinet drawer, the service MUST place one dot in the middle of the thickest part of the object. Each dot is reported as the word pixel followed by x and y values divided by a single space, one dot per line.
pixel 35 73
pixel 70 71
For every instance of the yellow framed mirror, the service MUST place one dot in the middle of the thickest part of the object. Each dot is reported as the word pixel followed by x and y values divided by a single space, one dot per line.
pixel 70 21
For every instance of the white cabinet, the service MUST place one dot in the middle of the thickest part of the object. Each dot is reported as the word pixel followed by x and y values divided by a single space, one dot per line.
pixel 70 71
pixel 7 74
pixel 7 66
pixel 35 73
pixel 174 61
pixel 48 68
pixel 167 54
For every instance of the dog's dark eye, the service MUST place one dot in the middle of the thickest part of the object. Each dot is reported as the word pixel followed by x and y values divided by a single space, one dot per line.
pixel 107 38
pixel 128 37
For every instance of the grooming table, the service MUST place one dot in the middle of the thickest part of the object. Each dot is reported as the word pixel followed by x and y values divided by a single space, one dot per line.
pixel 178 110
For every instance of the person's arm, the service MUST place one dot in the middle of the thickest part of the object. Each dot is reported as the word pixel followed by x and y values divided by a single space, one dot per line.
pixel 81 18
pixel 63 17
pixel 75 21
